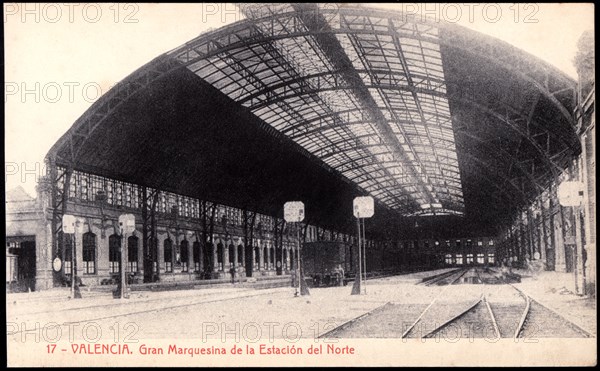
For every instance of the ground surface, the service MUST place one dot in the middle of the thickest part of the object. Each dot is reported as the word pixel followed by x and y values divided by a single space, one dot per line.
pixel 389 307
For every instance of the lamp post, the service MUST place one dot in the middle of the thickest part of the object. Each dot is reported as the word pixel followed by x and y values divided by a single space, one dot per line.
pixel 293 212
pixel 357 288
pixel 122 279
pixel 70 224
pixel 364 255
pixel 298 278
pixel 126 226
pixel 363 207
pixel 416 248
pixel 570 194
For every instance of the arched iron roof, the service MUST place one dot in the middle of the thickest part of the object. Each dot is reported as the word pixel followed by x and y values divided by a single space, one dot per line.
pixel 429 118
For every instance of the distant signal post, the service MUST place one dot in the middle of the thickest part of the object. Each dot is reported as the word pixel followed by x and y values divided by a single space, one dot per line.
pixel 126 226
pixel 570 194
pixel 70 226
pixel 293 212
pixel 363 207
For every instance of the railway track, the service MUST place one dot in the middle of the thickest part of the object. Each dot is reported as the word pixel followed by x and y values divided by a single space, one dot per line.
pixel 484 319
pixel 540 321
pixel 336 330
pixel 509 314
pixel 476 321
pixel 500 311
pixel 530 319
pixel 447 278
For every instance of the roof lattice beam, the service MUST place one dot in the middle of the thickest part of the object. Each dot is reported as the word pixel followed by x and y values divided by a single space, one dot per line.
pixel 338 57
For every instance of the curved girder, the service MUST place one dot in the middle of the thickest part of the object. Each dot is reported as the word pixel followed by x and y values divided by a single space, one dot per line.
pixel 398 175
pixel 202 47
pixel 347 87
pixel 450 189
pixel 318 79
pixel 324 128
pixel 506 156
pixel 354 159
pixel 553 167
pixel 455 97
pixel 487 167
pixel 464 41
pixel 93 118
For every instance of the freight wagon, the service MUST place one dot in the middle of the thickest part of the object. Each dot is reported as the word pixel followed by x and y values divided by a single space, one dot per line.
pixel 321 261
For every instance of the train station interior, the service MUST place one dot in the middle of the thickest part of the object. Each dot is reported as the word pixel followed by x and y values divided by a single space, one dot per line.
pixel 480 158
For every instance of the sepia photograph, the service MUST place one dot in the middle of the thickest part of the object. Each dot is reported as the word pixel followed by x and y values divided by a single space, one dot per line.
pixel 300 184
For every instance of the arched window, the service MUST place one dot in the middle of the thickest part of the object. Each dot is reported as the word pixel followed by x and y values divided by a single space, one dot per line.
pixel 480 258
pixel 231 255
pixel 469 258
pixel 184 255
pixel 68 248
pixel 89 253
pixel 220 256
pixel 265 260
pixel 114 253
pixel 168 255
pixel 240 249
pixel 272 259
pixel 207 256
pixel 292 259
pixel 196 247
pixel 132 253
pixel 448 259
